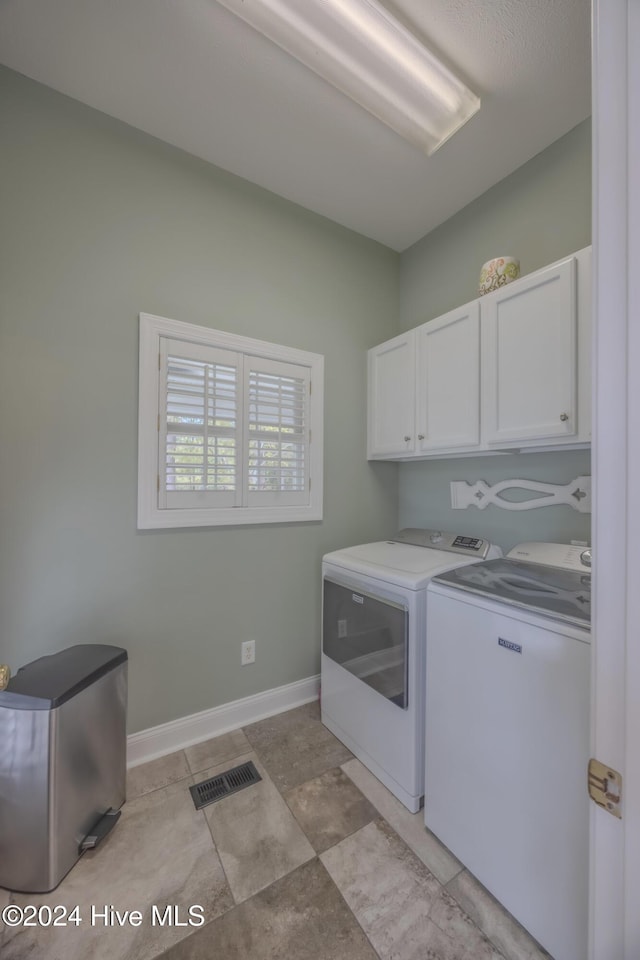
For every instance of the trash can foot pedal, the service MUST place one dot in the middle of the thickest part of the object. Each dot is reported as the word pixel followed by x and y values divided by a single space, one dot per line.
pixel 100 830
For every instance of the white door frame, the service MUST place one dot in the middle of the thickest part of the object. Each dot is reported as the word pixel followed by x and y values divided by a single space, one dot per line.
pixel 615 844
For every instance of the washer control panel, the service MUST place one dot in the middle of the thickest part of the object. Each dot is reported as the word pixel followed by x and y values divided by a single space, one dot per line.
pixel 565 555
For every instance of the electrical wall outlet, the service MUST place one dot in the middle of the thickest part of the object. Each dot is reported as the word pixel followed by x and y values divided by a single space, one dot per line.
pixel 248 652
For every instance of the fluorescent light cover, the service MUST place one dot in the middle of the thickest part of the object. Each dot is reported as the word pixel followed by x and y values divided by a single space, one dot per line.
pixel 367 54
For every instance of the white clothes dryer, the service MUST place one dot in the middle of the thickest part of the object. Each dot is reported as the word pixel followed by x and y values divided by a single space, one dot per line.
pixel 373 648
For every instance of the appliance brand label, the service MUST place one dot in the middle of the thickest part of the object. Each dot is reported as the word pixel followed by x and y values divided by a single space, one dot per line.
pixel 508 645
pixel 356 598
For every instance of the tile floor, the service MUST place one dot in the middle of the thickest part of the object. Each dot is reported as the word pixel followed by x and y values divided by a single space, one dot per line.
pixel 317 861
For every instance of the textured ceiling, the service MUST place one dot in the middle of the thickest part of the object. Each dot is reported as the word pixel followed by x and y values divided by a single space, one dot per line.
pixel 192 74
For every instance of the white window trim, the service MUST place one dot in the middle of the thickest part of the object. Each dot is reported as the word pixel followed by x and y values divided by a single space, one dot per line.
pixel 150 514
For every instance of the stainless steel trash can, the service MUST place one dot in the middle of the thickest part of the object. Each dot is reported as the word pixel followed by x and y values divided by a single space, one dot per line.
pixel 62 762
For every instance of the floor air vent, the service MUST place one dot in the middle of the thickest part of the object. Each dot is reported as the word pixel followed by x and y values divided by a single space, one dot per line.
pixel 224 784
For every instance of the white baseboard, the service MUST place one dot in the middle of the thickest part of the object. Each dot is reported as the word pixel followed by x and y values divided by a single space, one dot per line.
pixel 167 737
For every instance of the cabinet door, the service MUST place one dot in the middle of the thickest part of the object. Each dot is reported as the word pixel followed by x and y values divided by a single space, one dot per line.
pixel 529 358
pixel 391 407
pixel 448 380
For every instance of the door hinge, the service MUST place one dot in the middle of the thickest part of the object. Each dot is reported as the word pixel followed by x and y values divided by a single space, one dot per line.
pixel 605 787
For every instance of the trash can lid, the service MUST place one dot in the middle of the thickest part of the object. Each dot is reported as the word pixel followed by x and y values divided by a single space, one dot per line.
pixel 50 681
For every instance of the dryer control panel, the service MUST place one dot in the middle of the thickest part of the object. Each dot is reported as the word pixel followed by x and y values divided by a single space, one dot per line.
pixel 440 540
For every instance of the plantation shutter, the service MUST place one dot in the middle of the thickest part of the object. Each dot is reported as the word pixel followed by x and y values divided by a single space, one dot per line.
pixel 230 429
pixel 199 426
pixel 277 432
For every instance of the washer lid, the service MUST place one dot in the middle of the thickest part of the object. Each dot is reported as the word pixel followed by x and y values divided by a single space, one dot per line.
pixel 403 564
pixel 552 591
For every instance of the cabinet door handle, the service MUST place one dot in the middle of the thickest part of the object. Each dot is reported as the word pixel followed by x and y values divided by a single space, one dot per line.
pixel 564 416
pixel 421 436
pixel 407 439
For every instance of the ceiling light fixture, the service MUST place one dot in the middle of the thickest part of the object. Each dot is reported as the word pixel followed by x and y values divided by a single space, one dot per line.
pixel 359 47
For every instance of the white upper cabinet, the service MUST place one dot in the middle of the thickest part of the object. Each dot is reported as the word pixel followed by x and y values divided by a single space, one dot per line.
pixel 392 397
pixel 510 371
pixel 529 345
pixel 448 380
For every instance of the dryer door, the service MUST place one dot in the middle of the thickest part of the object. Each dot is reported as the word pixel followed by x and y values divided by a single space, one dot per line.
pixel 368 636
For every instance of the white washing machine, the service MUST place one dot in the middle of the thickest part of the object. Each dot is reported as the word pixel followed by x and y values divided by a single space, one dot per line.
pixel 373 642
pixel 507 733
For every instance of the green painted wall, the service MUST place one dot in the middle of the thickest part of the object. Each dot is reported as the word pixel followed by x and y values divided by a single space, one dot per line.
pixel 425 498
pixel 100 222
pixel 539 214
